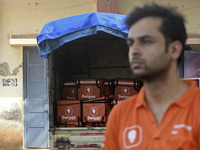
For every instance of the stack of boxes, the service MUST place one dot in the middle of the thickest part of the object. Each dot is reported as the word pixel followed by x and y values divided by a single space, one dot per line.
pixel 69 109
pixel 88 102
pixel 96 103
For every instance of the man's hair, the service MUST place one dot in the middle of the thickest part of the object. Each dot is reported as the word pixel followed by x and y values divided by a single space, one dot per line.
pixel 172 26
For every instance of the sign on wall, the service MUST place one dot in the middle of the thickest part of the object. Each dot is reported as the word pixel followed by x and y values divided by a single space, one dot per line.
pixel 9 82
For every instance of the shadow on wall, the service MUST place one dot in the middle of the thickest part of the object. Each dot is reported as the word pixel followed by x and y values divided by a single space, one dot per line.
pixel 13 114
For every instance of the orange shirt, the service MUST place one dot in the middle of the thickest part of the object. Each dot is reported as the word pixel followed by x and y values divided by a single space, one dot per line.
pixel 131 125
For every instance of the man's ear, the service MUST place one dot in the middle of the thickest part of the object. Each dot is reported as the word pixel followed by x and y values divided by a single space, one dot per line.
pixel 176 49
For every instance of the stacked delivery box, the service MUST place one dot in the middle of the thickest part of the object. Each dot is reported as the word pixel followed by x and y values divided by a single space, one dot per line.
pixel 69 113
pixel 125 88
pixel 96 101
pixel 69 108
pixel 88 102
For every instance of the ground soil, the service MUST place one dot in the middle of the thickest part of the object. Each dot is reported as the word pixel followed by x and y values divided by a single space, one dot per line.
pixel 11 135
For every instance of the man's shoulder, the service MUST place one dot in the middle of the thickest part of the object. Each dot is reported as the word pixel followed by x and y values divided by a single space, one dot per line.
pixel 196 96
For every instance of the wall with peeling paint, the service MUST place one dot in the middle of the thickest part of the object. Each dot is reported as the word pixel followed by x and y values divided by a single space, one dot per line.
pixel 24 17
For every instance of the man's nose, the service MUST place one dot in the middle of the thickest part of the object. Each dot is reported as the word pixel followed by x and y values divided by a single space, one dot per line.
pixel 135 49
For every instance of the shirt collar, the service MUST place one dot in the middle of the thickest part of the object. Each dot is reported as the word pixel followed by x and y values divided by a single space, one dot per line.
pixel 187 97
pixel 140 99
pixel 182 101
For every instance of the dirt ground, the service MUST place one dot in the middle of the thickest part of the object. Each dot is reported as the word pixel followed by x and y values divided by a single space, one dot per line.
pixel 11 135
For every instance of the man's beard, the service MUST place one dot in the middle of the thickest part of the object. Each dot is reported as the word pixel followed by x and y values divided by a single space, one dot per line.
pixel 141 74
pixel 147 73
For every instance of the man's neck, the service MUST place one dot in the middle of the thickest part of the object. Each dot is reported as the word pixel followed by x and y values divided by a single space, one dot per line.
pixel 165 87
pixel 159 94
pixel 158 91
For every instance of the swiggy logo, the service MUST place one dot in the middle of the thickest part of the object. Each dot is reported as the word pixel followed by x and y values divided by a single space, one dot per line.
pixel 72 91
pixel 88 90
pixel 125 91
pixel 132 136
pixel 68 110
pixel 93 111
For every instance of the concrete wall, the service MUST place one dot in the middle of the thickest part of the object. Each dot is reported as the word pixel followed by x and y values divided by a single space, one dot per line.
pixel 24 17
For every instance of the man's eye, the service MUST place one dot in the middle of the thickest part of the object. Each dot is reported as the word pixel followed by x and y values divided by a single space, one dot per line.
pixel 146 42
pixel 130 43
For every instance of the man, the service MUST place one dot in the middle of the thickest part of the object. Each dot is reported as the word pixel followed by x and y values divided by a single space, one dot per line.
pixel 164 115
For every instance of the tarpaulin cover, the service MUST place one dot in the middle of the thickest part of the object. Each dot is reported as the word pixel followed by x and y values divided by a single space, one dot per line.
pixel 58 32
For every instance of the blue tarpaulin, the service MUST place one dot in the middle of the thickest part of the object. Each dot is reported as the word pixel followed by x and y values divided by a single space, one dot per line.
pixel 58 32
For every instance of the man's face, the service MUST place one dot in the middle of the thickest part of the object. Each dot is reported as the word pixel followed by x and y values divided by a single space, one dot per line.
pixel 147 49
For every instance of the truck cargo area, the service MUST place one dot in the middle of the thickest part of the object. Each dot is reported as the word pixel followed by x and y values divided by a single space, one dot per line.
pixel 92 57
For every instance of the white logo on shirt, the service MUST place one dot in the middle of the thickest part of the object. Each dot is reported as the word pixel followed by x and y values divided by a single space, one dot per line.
pixel 132 136
pixel 179 126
